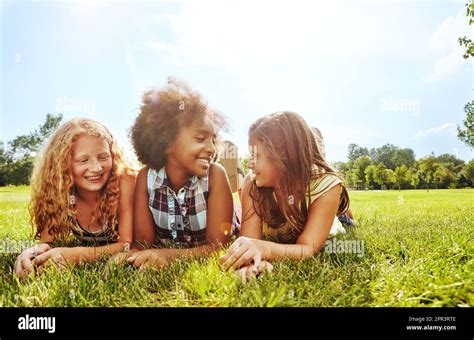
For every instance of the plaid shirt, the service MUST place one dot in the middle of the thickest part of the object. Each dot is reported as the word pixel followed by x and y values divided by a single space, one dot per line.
pixel 180 219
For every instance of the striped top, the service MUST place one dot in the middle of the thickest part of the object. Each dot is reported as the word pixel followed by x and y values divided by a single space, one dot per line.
pixel 180 219
pixel 288 233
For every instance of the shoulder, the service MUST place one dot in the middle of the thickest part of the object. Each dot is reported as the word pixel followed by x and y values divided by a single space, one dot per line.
pixel 321 185
pixel 217 175
pixel 142 174
pixel 127 180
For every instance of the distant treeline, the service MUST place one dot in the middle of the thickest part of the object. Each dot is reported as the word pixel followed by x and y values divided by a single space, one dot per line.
pixel 387 167
pixel 390 167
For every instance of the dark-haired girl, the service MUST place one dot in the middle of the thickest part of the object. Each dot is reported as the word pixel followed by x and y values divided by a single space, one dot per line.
pixel 183 201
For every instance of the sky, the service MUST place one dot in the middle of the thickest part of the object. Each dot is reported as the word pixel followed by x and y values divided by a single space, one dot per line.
pixel 364 72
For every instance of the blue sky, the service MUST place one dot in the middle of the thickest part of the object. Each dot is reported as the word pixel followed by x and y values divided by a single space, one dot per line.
pixel 365 72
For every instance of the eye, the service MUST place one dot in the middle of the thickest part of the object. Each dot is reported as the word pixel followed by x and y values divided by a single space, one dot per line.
pixel 104 158
pixel 83 160
pixel 200 138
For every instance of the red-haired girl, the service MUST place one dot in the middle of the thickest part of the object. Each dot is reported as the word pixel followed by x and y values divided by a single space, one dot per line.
pixel 82 192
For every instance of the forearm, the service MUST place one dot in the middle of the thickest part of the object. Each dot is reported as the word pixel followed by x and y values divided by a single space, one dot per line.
pixel 90 254
pixel 279 251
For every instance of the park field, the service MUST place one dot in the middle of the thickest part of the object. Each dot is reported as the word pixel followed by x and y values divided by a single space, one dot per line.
pixel 418 250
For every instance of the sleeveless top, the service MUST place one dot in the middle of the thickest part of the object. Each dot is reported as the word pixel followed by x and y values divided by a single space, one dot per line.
pixel 288 233
pixel 104 236
pixel 180 219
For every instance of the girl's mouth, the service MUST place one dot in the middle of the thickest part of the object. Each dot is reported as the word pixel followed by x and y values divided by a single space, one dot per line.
pixel 95 178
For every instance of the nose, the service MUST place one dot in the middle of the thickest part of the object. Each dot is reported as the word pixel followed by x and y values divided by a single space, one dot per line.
pixel 211 148
pixel 96 166
pixel 251 163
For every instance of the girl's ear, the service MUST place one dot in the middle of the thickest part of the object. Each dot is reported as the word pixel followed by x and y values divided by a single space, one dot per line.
pixel 170 148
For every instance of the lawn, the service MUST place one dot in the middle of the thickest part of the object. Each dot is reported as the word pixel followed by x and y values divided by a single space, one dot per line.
pixel 418 251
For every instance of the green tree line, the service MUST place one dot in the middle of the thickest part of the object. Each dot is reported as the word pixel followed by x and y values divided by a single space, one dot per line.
pixel 17 157
pixel 390 167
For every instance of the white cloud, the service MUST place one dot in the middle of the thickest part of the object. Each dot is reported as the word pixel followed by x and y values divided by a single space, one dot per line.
pixel 446 128
pixel 445 46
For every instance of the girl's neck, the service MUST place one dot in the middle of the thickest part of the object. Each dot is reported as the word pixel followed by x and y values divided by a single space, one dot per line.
pixel 176 176
pixel 88 197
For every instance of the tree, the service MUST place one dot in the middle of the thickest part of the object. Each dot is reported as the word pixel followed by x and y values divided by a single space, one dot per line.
pixel 16 163
pixel 468 171
pixel 358 171
pixel 355 151
pixel 404 157
pixel 428 167
pixel 381 176
pixel 466 134
pixel 370 175
pixel 390 176
pixel 401 175
pixel 385 154
pixel 414 177
pixel 464 41
pixel 25 145
pixel 443 177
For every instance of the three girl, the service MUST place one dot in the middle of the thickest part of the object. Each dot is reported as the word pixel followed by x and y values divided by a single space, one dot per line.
pixel 289 206
pixel 82 192
pixel 182 203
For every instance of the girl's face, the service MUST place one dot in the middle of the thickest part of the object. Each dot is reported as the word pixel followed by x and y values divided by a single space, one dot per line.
pixel 194 148
pixel 266 175
pixel 91 163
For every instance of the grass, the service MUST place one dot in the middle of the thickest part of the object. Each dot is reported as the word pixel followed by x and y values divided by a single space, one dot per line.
pixel 418 252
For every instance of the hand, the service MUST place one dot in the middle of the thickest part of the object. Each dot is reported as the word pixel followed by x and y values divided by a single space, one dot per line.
pixel 60 256
pixel 117 260
pixel 23 264
pixel 250 272
pixel 149 258
pixel 242 252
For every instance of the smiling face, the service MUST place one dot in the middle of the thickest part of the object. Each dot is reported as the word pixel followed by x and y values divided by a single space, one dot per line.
pixel 91 163
pixel 194 148
pixel 266 174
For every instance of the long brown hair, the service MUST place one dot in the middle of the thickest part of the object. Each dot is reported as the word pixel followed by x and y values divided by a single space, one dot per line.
pixel 291 146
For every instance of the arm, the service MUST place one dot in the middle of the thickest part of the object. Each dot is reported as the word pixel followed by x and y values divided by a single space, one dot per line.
pixel 144 232
pixel 251 222
pixel 315 232
pixel 87 254
pixel 219 222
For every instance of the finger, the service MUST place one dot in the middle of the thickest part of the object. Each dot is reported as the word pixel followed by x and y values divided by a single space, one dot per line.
pixel 267 266
pixel 146 264
pixel 138 260
pixel 257 260
pixel 234 247
pixel 243 260
pixel 131 259
pixel 234 256
pixel 41 259
pixel 26 265
pixel 242 274
pixel 41 248
pixel 17 268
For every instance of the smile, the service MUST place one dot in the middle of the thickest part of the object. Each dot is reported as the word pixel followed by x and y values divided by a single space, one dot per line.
pixel 204 160
pixel 94 178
